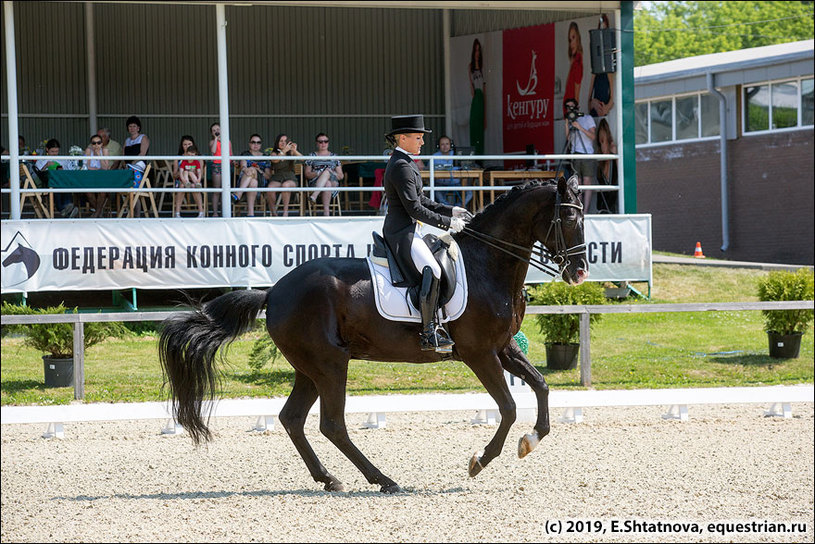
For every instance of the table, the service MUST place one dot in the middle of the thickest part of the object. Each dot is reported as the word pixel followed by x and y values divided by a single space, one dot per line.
pixel 98 179
pixel 517 175
pixel 464 176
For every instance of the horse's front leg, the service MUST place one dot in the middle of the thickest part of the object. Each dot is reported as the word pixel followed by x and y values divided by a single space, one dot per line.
pixel 487 368
pixel 516 363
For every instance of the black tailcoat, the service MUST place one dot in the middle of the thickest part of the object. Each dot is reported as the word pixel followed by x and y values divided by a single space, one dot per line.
pixel 406 205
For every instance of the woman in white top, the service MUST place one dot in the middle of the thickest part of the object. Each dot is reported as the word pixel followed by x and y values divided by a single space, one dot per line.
pixel 96 149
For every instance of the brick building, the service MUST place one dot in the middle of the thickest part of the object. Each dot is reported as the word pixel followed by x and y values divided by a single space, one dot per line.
pixel 754 202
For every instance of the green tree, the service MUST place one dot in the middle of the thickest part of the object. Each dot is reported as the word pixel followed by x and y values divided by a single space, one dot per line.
pixel 672 30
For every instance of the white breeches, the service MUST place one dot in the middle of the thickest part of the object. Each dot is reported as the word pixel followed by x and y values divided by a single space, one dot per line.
pixel 422 256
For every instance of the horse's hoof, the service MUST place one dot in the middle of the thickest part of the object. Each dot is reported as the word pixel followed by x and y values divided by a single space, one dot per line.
pixel 527 443
pixel 334 485
pixel 391 488
pixel 475 466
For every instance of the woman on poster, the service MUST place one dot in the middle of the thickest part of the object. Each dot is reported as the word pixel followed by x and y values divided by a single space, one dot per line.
pixel 477 113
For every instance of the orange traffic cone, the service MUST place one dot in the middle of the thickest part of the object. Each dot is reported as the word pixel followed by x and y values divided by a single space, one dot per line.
pixel 698 251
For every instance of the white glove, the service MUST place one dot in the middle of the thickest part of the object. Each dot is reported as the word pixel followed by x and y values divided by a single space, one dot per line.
pixel 462 213
pixel 456 224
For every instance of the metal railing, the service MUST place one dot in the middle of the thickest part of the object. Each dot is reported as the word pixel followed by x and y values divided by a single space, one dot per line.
pixel 226 189
pixel 78 320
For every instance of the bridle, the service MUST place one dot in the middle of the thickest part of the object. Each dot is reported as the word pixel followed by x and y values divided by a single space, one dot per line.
pixel 561 254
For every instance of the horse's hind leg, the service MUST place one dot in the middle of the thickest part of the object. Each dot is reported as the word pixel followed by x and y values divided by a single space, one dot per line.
pixel 332 424
pixel 488 369
pixel 293 418
pixel 516 363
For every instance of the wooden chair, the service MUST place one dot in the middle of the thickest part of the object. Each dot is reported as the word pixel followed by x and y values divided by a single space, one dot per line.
pixel 242 206
pixel 334 206
pixel 128 206
pixel 188 204
pixel 296 197
pixel 164 179
pixel 40 210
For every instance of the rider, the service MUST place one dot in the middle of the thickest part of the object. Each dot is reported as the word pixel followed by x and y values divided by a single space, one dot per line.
pixel 407 204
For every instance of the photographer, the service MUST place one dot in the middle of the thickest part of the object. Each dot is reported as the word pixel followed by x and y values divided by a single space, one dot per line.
pixel 580 134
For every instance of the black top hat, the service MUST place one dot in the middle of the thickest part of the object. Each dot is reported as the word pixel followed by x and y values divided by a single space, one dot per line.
pixel 403 124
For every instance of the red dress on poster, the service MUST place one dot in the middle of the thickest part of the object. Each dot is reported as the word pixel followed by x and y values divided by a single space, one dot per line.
pixel 574 79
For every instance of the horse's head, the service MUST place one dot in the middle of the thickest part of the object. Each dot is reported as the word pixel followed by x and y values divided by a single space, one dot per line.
pixel 562 234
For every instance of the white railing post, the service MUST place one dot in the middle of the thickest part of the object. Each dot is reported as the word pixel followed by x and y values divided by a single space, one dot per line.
pixel 585 350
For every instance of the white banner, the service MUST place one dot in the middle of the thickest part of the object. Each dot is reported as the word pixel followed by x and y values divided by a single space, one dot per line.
pixel 80 255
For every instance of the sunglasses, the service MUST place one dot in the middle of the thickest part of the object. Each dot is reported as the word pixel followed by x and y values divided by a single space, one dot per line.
pixel 96 143
pixel 322 141
pixel 255 142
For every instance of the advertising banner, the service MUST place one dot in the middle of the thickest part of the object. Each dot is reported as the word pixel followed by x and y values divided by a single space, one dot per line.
pixel 79 255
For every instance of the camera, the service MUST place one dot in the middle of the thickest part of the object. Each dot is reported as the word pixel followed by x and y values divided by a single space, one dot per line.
pixel 572 114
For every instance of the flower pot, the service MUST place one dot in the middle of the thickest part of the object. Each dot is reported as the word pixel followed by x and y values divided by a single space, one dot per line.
pixel 784 346
pixel 561 356
pixel 58 372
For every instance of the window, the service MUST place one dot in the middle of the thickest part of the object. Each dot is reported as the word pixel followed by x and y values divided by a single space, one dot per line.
pixel 687 117
pixel 777 105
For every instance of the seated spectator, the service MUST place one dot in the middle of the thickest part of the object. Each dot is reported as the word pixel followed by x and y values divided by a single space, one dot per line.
pixel 190 173
pixel 283 172
pixel 112 147
pixel 43 168
pixel 136 145
pixel 96 149
pixel 450 198
pixel 253 173
pixel 323 173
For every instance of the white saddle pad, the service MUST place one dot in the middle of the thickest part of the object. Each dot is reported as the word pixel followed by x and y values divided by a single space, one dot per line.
pixel 394 303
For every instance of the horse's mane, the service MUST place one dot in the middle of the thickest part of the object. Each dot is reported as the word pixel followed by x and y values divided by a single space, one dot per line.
pixel 490 211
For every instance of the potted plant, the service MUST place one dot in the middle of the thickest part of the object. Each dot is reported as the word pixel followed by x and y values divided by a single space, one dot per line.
pixel 785 327
pixel 561 332
pixel 57 340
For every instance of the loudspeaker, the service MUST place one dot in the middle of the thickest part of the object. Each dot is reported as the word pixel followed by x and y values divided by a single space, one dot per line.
pixel 603 45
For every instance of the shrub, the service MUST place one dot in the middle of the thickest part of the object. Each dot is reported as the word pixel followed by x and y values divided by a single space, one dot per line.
pixel 564 328
pixel 784 285
pixel 57 339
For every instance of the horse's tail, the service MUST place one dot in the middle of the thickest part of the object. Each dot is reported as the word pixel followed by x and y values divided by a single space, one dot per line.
pixel 188 346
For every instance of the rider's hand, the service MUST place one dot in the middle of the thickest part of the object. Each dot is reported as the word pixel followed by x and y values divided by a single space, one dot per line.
pixel 457 224
pixel 462 213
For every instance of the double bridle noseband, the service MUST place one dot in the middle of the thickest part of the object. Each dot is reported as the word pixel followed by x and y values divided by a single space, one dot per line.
pixel 561 254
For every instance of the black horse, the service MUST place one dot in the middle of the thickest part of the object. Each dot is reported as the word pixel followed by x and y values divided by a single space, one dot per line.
pixel 322 314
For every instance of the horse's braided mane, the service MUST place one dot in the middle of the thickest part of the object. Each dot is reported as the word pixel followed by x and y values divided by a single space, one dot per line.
pixel 505 199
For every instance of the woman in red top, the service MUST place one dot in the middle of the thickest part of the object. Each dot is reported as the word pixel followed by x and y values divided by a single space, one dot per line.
pixel 215 149
pixel 575 77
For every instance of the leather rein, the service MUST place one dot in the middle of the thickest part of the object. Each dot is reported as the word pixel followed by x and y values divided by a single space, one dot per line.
pixel 561 255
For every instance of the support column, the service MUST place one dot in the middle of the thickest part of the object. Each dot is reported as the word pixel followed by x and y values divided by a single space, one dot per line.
pixel 90 49
pixel 13 127
pixel 223 103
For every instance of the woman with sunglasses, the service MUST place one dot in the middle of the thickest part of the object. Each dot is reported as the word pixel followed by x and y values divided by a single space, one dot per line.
pixel 323 173
pixel 97 150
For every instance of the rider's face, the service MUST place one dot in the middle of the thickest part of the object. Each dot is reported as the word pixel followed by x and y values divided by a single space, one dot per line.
pixel 412 142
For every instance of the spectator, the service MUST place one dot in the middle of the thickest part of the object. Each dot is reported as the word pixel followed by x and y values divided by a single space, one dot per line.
pixel 606 170
pixel 323 173
pixel 215 149
pixel 44 167
pixel 283 171
pixel 580 134
pixel 253 173
pixel 451 198
pixel 189 176
pixel 601 90
pixel 96 149
pixel 112 147
pixel 136 145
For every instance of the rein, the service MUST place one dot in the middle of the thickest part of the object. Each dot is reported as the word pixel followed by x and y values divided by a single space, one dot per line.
pixel 561 255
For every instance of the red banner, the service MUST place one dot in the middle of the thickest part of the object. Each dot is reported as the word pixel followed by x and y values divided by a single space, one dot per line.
pixel 528 88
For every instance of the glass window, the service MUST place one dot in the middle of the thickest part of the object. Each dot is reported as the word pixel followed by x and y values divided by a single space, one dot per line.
pixel 806 102
pixel 757 108
pixel 661 121
pixel 641 123
pixel 785 104
pixel 687 117
pixel 710 115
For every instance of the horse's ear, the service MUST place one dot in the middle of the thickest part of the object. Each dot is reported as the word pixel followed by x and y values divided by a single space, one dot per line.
pixel 563 185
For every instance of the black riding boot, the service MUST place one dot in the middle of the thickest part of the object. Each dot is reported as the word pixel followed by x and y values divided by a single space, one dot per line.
pixel 434 337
